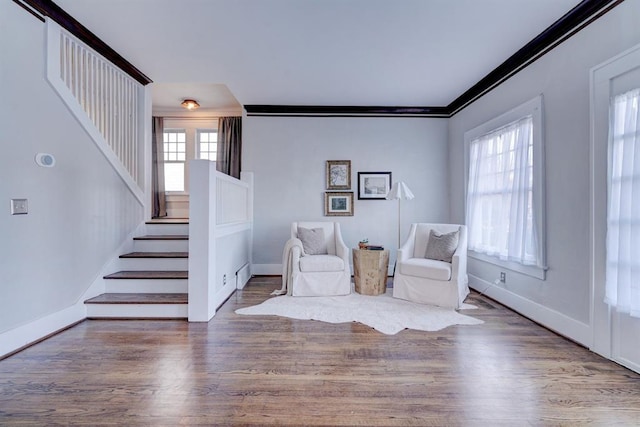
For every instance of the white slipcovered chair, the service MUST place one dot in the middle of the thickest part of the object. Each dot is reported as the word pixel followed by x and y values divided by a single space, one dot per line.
pixel 322 274
pixel 431 281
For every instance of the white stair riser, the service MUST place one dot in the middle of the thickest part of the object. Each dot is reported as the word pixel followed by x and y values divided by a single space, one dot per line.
pixel 155 229
pixel 154 264
pixel 161 245
pixel 146 286
pixel 146 311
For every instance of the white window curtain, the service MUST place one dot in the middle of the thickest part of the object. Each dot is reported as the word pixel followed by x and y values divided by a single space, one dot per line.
pixel 623 213
pixel 500 213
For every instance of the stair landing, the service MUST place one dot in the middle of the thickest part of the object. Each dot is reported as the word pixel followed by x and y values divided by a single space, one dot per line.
pixel 168 221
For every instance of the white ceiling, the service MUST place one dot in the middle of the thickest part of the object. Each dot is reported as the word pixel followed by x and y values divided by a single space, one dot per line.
pixel 316 52
pixel 214 99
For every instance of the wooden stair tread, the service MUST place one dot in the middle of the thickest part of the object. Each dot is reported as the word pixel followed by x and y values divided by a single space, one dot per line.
pixel 163 237
pixel 139 299
pixel 155 255
pixel 148 275
pixel 168 221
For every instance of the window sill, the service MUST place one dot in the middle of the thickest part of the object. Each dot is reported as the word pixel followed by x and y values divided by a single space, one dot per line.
pixel 527 270
pixel 176 196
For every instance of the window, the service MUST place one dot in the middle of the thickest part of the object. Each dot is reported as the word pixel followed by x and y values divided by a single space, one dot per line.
pixel 186 139
pixel 207 144
pixel 175 149
pixel 504 192
pixel 623 213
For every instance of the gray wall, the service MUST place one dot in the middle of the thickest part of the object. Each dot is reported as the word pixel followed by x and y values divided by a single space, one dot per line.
pixel 562 76
pixel 80 211
pixel 288 156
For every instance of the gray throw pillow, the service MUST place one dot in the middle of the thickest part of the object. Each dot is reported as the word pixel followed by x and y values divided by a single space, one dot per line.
pixel 441 247
pixel 313 241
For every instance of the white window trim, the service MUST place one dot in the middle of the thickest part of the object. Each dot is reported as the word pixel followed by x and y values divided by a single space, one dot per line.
pixel 532 107
pixel 200 130
pixel 184 162
pixel 189 125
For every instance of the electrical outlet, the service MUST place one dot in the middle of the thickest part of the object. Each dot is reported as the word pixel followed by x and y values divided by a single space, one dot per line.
pixel 19 207
pixel 503 277
pixel 224 279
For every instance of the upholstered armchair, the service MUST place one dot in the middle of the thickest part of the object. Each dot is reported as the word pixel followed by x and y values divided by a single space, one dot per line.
pixel 318 260
pixel 433 271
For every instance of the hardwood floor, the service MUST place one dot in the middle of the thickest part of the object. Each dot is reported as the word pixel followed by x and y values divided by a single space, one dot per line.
pixel 261 370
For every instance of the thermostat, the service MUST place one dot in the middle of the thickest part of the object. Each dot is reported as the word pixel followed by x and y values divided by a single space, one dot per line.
pixel 45 160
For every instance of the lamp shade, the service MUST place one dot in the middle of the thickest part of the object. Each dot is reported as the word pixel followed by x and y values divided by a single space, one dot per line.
pixel 400 191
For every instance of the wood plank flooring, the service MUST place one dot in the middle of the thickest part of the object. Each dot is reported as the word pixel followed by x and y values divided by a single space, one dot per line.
pixel 264 370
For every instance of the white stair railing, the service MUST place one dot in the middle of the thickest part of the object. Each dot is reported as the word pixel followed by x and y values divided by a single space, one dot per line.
pixel 107 102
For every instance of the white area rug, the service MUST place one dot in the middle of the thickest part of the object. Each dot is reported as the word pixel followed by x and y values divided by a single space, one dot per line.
pixel 383 312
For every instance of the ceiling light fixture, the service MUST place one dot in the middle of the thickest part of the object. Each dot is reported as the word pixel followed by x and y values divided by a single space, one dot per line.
pixel 190 104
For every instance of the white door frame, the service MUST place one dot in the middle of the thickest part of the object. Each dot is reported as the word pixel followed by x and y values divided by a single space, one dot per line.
pixel 604 321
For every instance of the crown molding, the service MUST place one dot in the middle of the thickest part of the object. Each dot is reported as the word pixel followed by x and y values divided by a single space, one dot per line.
pixel 343 111
pixel 571 23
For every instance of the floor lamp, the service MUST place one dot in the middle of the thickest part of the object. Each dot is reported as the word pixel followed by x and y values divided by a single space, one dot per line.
pixel 399 192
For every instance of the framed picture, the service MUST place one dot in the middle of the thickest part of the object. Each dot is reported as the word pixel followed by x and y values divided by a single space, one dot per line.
pixel 373 185
pixel 338 174
pixel 338 204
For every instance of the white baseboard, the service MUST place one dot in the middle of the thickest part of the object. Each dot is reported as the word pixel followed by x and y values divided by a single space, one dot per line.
pixel 223 294
pixel 22 336
pixel 627 363
pixel 243 276
pixel 554 320
pixel 32 332
pixel 266 269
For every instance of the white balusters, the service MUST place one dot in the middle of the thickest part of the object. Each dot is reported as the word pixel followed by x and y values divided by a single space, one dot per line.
pixel 111 99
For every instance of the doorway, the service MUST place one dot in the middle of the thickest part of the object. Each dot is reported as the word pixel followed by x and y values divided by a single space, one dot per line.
pixel 615 334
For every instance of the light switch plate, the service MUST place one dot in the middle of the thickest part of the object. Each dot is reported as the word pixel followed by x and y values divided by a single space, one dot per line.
pixel 19 207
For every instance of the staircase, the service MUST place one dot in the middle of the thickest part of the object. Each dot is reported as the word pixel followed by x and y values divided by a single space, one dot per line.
pixel 153 281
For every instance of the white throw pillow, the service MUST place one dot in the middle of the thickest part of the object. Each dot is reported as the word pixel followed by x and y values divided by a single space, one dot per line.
pixel 313 241
pixel 441 247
